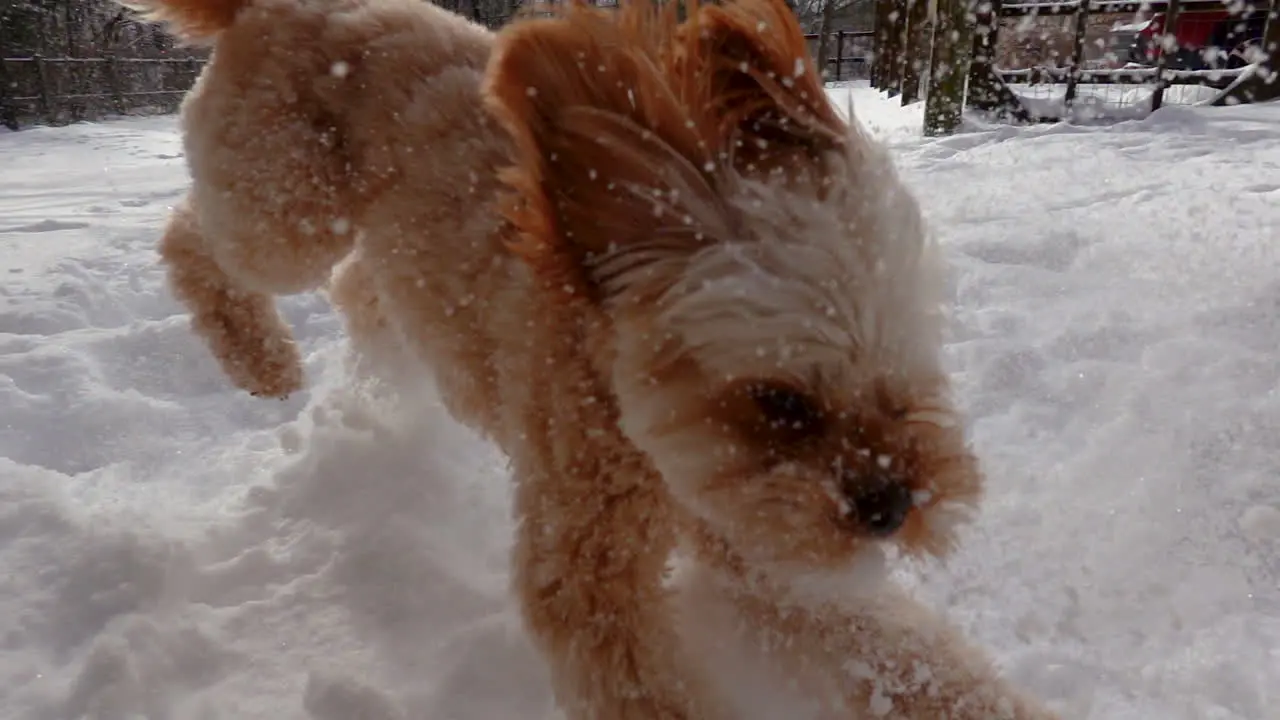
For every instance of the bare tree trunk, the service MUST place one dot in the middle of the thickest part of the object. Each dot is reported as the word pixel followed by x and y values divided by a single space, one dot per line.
pixel 881 41
pixel 915 55
pixel 987 90
pixel 896 47
pixel 948 67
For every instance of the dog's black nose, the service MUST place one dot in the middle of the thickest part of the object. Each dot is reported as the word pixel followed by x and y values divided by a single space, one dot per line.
pixel 882 508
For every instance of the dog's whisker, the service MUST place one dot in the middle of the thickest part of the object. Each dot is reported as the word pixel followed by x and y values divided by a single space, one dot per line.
pixel 934 417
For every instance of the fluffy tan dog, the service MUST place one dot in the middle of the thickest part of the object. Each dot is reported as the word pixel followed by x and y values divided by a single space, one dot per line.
pixel 697 310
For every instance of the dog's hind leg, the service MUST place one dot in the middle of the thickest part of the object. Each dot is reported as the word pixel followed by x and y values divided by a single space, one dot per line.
pixel 241 327
pixel 377 345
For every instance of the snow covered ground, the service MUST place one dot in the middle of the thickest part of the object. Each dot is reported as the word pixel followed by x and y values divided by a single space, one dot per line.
pixel 171 549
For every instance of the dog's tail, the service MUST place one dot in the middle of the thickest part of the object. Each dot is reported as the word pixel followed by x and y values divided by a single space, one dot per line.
pixel 192 20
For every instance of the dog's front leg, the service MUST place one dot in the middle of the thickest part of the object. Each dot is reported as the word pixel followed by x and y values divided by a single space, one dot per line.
pixel 890 657
pixel 240 326
pixel 589 563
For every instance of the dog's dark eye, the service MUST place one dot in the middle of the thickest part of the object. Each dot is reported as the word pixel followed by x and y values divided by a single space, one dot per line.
pixel 786 409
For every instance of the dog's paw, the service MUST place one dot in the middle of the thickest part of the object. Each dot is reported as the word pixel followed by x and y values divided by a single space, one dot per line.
pixel 273 370
pixel 277 392
pixel 277 386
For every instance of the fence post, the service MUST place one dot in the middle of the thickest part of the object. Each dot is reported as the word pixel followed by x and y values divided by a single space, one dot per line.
pixel 1168 36
pixel 8 110
pixel 986 28
pixel 193 74
pixel 839 54
pixel 45 107
pixel 113 83
pixel 1077 55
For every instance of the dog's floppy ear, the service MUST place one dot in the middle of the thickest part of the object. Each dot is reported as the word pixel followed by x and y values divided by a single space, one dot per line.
pixel 608 162
pixel 753 74
pixel 631 128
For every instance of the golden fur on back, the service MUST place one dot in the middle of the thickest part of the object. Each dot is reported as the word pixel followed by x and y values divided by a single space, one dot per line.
pixel 696 309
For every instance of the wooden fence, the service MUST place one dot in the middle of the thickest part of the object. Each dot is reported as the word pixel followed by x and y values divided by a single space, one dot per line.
pixel 851 59
pixel 57 91
pixel 959 24
pixel 988 85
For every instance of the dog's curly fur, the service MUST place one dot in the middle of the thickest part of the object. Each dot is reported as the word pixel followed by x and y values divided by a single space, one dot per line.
pixel 697 309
